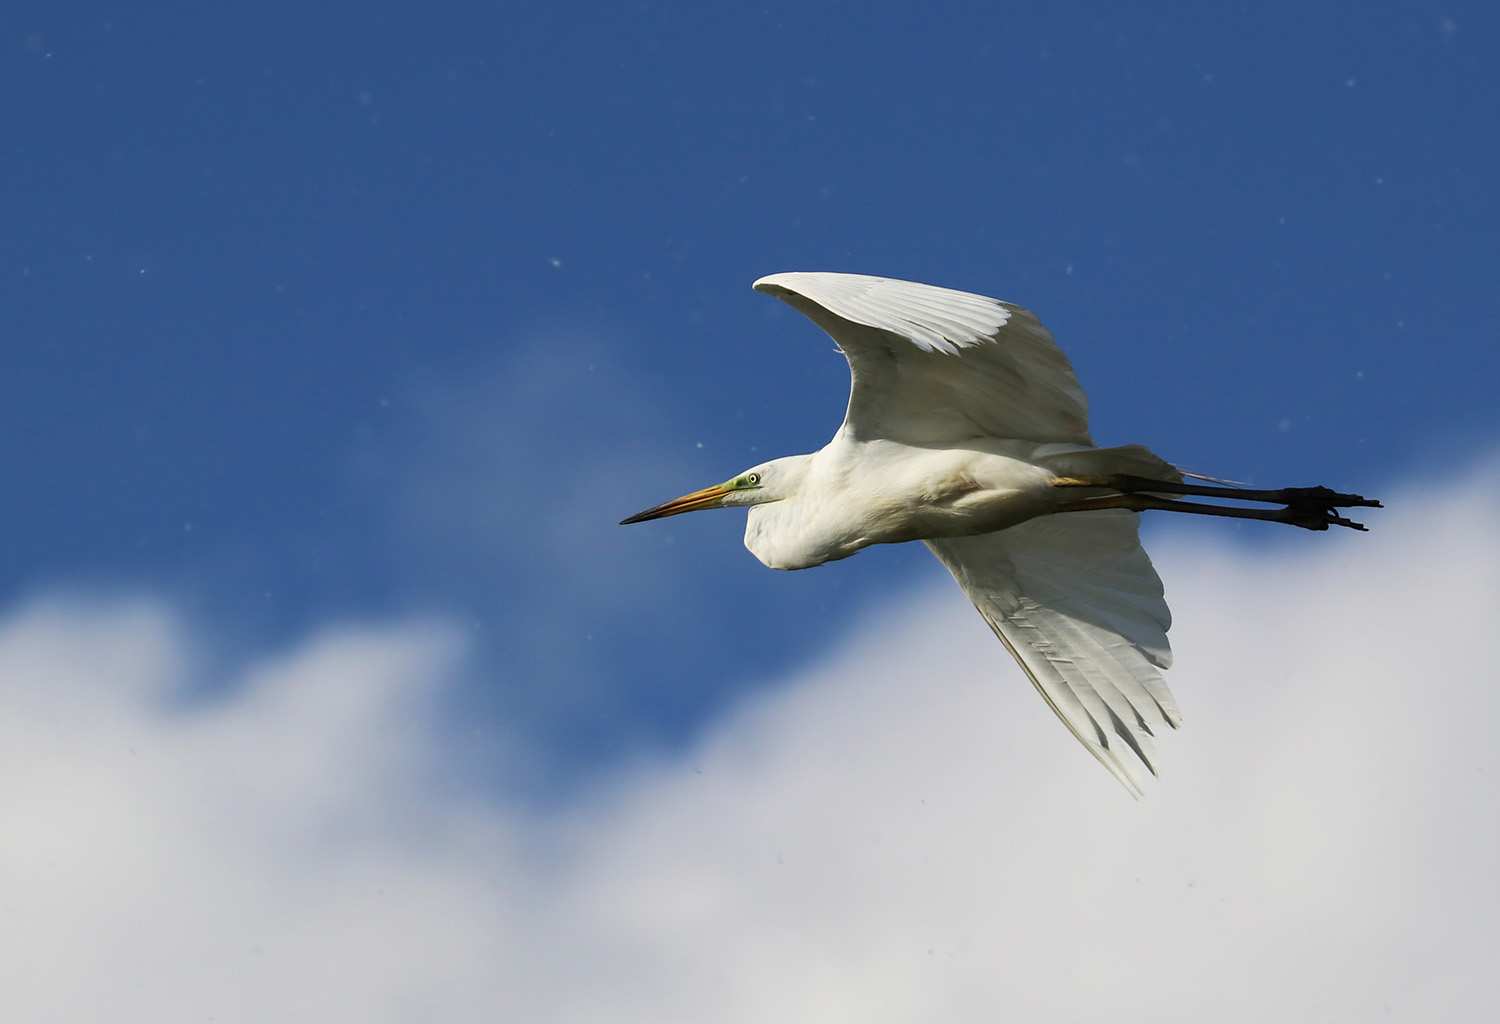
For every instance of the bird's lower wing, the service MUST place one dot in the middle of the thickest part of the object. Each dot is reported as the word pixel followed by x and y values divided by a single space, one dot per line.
pixel 1076 600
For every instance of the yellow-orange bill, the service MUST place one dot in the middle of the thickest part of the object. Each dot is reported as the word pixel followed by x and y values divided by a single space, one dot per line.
pixel 706 498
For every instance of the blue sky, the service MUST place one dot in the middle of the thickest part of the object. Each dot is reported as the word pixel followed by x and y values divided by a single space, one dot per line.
pixel 266 267
pixel 379 317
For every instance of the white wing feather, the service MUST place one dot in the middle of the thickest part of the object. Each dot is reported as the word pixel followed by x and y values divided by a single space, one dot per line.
pixel 1076 600
pixel 933 365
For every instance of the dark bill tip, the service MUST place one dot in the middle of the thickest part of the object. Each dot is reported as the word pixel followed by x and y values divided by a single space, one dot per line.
pixel 707 498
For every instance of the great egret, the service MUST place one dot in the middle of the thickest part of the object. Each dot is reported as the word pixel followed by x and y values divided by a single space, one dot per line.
pixel 966 429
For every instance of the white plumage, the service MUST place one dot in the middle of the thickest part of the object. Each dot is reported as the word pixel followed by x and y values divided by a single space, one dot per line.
pixel 967 429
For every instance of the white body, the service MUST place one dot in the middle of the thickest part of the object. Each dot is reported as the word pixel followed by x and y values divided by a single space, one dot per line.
pixel 852 494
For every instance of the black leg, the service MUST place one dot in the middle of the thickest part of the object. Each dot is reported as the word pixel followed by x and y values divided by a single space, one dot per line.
pixel 1311 508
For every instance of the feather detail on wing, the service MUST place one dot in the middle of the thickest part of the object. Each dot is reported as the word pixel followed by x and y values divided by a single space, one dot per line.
pixel 936 365
pixel 1076 600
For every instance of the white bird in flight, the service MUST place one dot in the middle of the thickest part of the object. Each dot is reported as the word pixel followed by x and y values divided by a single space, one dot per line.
pixel 966 429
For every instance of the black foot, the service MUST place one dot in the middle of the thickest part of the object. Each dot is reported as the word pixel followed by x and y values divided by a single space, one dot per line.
pixel 1312 508
pixel 1328 498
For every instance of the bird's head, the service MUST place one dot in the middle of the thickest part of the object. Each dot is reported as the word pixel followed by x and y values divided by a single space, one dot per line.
pixel 770 481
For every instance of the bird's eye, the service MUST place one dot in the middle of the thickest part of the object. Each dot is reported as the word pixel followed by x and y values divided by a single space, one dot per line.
pixel 751 479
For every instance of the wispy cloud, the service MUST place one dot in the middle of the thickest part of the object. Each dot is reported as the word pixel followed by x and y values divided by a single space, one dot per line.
pixel 504 496
pixel 899 832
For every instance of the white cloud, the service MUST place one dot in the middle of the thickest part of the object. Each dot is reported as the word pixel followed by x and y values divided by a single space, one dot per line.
pixel 899 833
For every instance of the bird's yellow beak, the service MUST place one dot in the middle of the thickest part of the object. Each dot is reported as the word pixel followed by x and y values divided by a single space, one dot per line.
pixel 709 497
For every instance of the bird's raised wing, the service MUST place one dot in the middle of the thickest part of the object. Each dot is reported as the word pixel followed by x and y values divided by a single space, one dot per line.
pixel 1076 600
pixel 933 365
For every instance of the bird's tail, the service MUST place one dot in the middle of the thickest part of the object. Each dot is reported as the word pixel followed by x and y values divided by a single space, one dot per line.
pixel 1219 480
pixel 1126 459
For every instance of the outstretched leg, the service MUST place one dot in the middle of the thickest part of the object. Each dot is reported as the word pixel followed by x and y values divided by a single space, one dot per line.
pixel 1312 508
